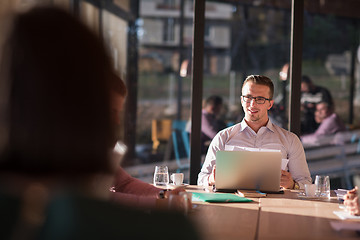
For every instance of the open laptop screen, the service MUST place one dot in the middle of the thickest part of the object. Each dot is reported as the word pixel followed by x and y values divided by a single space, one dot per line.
pixel 250 170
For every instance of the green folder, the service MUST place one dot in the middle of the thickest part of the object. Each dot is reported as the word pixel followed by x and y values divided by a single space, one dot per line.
pixel 218 197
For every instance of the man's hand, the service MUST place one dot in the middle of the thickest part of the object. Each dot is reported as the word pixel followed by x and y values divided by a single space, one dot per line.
pixel 212 177
pixel 351 201
pixel 286 180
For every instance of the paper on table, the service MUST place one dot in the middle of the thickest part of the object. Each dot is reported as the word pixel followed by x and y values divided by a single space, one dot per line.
pixel 284 163
pixel 341 225
pixel 345 215
pixel 239 148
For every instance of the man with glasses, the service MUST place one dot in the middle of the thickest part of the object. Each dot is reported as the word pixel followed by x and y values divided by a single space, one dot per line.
pixel 257 131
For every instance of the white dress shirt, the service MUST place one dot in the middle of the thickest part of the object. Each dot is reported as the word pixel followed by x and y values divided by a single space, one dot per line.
pixel 268 137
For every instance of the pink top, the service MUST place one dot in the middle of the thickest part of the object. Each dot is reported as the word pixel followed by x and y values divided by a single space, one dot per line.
pixel 133 192
pixel 328 127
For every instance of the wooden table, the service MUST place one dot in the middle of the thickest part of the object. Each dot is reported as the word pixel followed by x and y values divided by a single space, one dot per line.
pixel 278 216
pixel 225 221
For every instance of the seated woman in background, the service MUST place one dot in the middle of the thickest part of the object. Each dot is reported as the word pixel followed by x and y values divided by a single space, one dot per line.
pixel 330 124
pixel 56 137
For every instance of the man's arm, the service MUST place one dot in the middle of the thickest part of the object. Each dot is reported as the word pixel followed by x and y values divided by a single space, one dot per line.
pixel 206 170
pixel 210 160
pixel 297 162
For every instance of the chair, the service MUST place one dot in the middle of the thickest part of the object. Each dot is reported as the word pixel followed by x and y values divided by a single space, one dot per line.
pixel 181 144
pixel 160 131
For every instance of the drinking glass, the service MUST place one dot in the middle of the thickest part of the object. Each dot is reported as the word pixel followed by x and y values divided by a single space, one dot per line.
pixel 161 176
pixel 322 186
pixel 310 190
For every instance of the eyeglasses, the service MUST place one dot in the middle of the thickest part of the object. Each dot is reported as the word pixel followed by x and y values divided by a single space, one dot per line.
pixel 258 100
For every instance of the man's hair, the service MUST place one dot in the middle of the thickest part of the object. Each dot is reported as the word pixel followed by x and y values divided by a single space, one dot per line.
pixel 261 80
pixel 329 106
pixel 306 79
pixel 213 100
pixel 118 85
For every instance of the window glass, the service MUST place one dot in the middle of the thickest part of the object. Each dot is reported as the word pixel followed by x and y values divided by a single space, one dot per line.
pixel 329 61
pixel 243 38
pixel 90 16
pixel 163 95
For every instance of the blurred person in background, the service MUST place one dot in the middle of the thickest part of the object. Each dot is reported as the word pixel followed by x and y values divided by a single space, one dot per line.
pixel 57 135
pixel 330 124
pixel 311 95
pixel 211 124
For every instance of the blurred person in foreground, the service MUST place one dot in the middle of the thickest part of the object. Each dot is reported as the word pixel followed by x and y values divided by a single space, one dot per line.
pixel 330 124
pixel 126 189
pixel 311 95
pixel 257 131
pixel 56 136
pixel 351 201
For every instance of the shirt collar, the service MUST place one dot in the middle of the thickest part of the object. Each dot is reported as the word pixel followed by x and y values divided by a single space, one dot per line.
pixel 270 126
pixel 244 125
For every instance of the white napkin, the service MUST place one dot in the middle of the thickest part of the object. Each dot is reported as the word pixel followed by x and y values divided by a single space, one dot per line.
pixel 345 215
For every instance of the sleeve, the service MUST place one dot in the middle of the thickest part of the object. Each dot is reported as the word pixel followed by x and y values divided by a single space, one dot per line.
pixel 309 139
pixel 322 135
pixel 125 183
pixel 210 160
pixel 328 126
pixel 297 162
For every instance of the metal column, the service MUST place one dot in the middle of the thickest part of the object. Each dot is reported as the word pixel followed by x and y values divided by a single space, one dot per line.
pixel 197 88
pixel 297 28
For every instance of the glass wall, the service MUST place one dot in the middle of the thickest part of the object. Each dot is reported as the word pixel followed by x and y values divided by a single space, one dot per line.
pixel 331 62
pixel 243 38
pixel 165 41
pixel 150 42
pixel 331 40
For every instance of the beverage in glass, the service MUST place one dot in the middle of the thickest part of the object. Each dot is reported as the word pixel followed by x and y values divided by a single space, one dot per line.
pixel 322 186
pixel 161 176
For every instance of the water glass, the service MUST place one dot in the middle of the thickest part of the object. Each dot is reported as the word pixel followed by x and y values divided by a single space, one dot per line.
pixel 322 186
pixel 310 190
pixel 161 176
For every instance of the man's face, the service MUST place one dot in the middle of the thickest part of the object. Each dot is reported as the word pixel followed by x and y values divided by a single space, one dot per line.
pixel 305 87
pixel 255 112
pixel 117 103
pixel 322 112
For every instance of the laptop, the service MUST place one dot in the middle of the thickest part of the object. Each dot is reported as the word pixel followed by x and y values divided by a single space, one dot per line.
pixel 248 170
